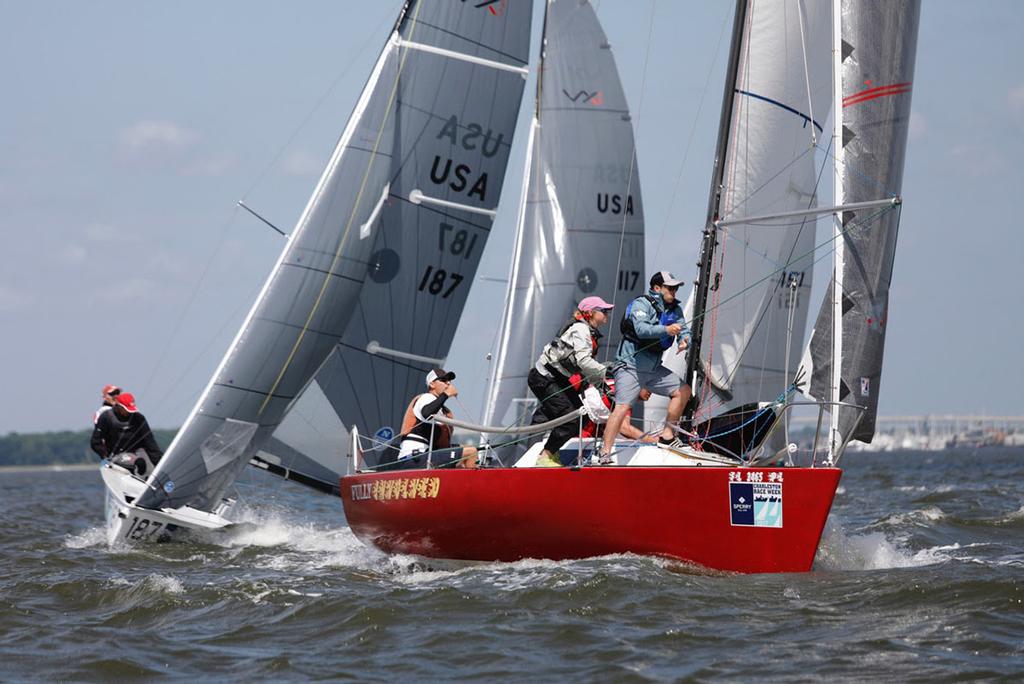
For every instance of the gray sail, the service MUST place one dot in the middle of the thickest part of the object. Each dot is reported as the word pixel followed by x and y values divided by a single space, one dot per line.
pixel 755 317
pixel 879 41
pixel 373 257
pixel 581 229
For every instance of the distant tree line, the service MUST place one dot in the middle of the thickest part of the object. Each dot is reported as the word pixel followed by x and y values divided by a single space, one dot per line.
pixel 51 448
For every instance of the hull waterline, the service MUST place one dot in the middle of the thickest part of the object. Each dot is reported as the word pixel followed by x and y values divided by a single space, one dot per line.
pixel 733 519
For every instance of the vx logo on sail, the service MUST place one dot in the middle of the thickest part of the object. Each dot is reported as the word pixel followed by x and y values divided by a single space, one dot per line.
pixel 595 98
pixel 495 7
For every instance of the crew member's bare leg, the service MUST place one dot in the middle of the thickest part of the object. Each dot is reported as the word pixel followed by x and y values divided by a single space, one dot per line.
pixel 676 404
pixel 614 424
pixel 469 458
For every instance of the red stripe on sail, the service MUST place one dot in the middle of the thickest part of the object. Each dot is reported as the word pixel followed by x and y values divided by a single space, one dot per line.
pixel 874 93
pixel 877 88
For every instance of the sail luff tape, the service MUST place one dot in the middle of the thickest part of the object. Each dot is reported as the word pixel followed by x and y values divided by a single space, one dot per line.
pixel 364 230
pixel 462 56
pixel 374 347
pixel 417 197
pixel 818 211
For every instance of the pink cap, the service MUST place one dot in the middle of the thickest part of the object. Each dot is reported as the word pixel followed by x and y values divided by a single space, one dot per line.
pixel 594 304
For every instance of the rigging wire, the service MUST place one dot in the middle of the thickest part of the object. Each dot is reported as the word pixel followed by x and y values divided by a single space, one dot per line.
pixel 226 225
pixel 224 229
pixel 632 158
pixel 693 130
pixel 802 16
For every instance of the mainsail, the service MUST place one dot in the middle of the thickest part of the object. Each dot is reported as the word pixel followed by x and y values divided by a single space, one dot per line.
pixel 757 306
pixel 877 48
pixel 581 228
pixel 369 289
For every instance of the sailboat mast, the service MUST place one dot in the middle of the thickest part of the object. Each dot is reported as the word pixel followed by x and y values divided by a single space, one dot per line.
pixel 709 242
pixel 834 439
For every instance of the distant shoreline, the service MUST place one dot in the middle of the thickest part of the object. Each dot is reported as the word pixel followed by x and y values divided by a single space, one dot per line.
pixel 53 467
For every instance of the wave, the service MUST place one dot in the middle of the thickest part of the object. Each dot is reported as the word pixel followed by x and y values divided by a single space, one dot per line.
pixel 151 584
pixel 1014 518
pixel 839 550
pixel 921 517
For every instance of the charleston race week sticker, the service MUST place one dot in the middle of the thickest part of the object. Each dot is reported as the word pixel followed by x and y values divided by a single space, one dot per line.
pixel 756 504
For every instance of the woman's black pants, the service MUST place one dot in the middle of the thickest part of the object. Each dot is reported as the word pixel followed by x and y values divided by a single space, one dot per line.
pixel 557 398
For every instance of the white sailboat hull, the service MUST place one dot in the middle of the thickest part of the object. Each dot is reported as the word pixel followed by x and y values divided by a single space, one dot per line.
pixel 128 523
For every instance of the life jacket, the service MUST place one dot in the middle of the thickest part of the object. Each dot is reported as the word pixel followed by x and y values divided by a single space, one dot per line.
pixel 667 318
pixel 558 352
pixel 626 324
pixel 410 423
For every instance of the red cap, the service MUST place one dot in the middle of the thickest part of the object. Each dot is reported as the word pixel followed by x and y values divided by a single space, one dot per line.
pixel 127 402
pixel 111 389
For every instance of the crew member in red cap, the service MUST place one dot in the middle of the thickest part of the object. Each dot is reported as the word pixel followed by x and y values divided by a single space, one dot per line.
pixel 572 351
pixel 422 439
pixel 109 394
pixel 123 435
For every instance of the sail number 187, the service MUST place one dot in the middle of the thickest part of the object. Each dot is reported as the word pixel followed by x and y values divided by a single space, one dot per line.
pixel 437 279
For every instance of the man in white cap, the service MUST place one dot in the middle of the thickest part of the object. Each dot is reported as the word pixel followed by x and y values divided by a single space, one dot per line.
pixel 422 439
pixel 651 324
pixel 572 351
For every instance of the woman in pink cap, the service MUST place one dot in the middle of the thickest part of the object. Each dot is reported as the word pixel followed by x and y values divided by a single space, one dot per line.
pixel 571 352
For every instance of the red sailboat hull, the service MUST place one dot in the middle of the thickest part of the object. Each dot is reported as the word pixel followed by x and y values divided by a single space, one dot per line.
pixel 733 519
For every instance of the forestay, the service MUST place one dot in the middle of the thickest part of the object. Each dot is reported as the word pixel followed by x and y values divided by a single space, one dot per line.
pixel 581 229
pixel 377 270
pixel 763 268
pixel 878 46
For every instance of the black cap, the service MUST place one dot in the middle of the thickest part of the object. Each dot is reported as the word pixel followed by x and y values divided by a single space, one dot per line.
pixel 439 374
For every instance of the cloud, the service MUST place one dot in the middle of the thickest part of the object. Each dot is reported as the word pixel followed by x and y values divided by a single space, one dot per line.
pixel 302 163
pixel 13 300
pixel 71 253
pixel 129 291
pixel 157 134
pixel 155 141
pixel 978 161
pixel 210 166
pixel 918 125
pixel 1015 98
pixel 101 232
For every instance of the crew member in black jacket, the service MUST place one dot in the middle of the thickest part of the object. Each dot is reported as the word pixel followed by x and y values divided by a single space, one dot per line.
pixel 123 430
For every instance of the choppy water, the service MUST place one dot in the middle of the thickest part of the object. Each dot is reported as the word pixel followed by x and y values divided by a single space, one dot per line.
pixel 920 576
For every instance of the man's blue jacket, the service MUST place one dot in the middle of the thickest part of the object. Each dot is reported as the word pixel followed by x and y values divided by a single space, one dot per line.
pixel 649 319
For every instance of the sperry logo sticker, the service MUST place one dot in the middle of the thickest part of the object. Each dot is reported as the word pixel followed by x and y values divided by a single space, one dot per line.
pixel 755 504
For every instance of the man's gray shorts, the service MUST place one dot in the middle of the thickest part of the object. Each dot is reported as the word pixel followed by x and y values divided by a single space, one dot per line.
pixel 628 382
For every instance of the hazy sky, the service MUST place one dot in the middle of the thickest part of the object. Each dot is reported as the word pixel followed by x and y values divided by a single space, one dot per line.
pixel 128 130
